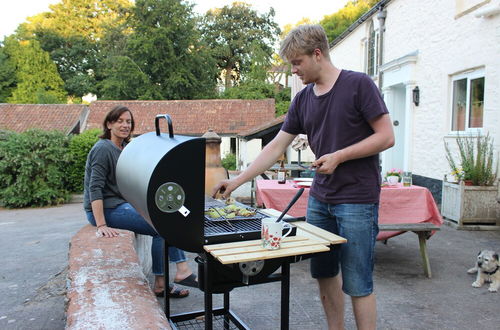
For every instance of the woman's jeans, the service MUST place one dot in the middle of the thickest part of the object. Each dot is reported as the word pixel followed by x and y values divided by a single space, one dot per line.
pixel 124 216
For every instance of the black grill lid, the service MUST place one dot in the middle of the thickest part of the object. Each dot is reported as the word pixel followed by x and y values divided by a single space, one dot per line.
pixel 163 177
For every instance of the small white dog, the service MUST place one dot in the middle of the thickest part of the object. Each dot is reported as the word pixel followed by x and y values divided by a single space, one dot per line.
pixel 487 269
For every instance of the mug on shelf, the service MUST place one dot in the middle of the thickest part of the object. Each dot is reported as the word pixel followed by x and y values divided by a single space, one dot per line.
pixel 272 233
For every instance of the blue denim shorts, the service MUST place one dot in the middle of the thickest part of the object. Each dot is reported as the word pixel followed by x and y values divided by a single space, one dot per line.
pixel 358 223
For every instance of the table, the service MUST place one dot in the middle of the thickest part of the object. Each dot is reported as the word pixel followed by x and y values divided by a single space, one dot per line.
pixel 398 204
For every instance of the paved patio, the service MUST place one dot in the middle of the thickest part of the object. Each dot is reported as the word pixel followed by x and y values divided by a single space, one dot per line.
pixel 34 245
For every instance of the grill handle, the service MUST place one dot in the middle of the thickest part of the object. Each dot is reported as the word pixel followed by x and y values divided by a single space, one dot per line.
pixel 169 121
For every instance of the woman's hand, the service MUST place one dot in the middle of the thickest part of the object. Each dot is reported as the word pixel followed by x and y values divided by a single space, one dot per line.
pixel 106 231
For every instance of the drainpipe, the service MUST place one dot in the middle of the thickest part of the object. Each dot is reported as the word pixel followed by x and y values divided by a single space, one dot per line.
pixel 382 14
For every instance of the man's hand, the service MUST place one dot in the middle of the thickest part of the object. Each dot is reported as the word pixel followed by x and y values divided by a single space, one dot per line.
pixel 327 163
pixel 224 189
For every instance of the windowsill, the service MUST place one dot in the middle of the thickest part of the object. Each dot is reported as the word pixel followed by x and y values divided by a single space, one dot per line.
pixel 470 132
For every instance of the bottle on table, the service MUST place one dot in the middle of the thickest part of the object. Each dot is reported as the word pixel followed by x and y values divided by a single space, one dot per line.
pixel 282 173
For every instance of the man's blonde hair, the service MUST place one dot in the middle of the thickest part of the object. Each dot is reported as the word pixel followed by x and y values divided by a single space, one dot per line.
pixel 303 40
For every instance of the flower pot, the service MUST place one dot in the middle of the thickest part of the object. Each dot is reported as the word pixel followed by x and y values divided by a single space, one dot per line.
pixel 468 183
pixel 393 180
pixel 470 205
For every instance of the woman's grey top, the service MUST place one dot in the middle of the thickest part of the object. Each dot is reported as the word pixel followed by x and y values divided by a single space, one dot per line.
pixel 100 175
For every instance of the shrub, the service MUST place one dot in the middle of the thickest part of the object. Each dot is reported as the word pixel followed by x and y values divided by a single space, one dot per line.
pixel 32 167
pixel 229 162
pixel 78 150
pixel 476 159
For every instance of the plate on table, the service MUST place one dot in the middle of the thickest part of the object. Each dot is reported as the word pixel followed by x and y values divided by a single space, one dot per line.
pixel 299 180
pixel 304 184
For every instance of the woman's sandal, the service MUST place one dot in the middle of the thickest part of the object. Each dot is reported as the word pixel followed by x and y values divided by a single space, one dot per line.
pixel 174 292
pixel 189 281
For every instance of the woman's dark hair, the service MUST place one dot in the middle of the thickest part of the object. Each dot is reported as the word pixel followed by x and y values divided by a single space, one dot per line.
pixel 112 117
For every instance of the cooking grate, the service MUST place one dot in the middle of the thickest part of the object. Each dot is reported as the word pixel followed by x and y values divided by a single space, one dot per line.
pixel 235 226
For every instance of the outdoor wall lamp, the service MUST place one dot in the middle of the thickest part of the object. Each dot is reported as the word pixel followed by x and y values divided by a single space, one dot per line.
pixel 416 96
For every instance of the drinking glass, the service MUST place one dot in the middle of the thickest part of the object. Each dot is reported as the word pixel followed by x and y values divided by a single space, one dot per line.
pixel 407 181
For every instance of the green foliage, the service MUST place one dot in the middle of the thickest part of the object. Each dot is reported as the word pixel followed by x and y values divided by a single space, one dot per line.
pixel 251 90
pixel 72 31
pixel 84 18
pixel 235 33
pixel 36 74
pixel 165 47
pixel 229 162
pixel 338 22
pixel 284 95
pixel 476 159
pixel 124 80
pixel 78 149
pixel 282 107
pixel 32 167
pixel 76 58
pixel 7 76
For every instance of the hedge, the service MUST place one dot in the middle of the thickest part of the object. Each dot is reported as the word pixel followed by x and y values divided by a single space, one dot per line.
pixel 33 168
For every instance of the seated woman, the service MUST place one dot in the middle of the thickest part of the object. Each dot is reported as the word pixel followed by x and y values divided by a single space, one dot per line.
pixel 106 208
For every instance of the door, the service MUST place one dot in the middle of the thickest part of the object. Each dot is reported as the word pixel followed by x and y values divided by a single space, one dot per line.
pixel 396 103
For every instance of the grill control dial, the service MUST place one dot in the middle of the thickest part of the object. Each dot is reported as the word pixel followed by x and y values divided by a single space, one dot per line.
pixel 169 197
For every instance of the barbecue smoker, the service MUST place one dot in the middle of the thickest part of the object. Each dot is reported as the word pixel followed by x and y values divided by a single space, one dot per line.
pixel 163 177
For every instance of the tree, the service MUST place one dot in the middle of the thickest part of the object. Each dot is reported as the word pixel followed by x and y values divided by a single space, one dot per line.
pixel 234 33
pixel 124 80
pixel 338 22
pixel 85 18
pixel 7 76
pixel 70 32
pixel 166 48
pixel 37 78
pixel 76 59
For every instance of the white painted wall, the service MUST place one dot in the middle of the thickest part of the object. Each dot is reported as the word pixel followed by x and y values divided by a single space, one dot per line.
pixel 448 42
pixel 225 146
pixel 247 152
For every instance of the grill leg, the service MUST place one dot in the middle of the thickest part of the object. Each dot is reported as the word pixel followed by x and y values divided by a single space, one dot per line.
pixel 208 295
pixel 285 293
pixel 166 298
pixel 226 311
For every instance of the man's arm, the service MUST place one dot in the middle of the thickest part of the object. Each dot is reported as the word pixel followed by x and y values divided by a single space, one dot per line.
pixel 380 140
pixel 267 157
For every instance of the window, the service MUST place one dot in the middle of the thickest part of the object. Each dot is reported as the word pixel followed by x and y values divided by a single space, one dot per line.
pixel 467 100
pixel 371 51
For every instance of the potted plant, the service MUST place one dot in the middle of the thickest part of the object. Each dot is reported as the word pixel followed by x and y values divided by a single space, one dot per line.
pixel 472 199
pixel 393 176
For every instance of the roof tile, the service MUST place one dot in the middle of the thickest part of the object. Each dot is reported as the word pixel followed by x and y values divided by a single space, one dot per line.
pixel 21 117
pixel 191 117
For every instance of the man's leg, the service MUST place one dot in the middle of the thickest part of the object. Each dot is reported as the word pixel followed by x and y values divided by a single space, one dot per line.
pixel 358 224
pixel 332 298
pixel 365 312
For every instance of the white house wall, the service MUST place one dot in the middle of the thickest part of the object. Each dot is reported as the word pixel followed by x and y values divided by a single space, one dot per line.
pixel 225 146
pixel 446 44
pixel 248 152
pixel 349 53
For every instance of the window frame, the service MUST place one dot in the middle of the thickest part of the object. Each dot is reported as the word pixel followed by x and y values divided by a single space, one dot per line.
pixel 371 30
pixel 469 75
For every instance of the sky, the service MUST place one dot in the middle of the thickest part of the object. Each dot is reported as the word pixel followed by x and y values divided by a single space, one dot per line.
pixel 13 13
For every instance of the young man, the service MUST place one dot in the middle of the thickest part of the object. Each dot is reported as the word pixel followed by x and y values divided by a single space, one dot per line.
pixel 347 125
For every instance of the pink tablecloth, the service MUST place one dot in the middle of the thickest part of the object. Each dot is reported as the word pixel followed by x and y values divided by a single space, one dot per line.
pixel 398 204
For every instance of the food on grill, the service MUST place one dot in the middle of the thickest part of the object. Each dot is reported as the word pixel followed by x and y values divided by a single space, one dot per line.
pixel 229 211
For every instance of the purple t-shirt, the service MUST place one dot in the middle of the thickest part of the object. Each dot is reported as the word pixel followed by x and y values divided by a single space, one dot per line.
pixel 336 120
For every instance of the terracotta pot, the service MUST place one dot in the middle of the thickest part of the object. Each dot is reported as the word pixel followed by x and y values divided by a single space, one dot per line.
pixel 468 183
pixel 214 172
